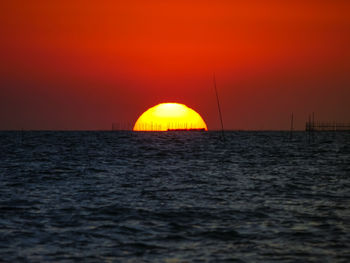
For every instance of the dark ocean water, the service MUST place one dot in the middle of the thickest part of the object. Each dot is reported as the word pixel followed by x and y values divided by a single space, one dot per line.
pixel 174 197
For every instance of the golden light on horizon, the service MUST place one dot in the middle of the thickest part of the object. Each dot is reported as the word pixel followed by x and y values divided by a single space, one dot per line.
pixel 170 116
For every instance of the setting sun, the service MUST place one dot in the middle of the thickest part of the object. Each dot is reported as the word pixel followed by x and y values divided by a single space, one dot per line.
pixel 170 116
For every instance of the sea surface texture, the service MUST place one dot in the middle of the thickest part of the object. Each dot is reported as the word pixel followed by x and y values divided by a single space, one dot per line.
pixel 174 197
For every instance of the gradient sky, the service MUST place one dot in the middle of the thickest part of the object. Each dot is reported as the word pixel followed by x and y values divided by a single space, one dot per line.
pixel 85 64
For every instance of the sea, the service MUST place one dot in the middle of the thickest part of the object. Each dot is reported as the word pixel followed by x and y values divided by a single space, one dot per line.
pixel 122 196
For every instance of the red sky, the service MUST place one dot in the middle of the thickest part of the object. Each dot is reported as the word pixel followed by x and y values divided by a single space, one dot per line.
pixel 85 64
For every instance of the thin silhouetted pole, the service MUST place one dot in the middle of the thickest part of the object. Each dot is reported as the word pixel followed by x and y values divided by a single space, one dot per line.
pixel 218 102
pixel 291 126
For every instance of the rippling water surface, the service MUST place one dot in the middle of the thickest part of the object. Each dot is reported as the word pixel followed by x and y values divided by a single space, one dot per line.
pixel 174 197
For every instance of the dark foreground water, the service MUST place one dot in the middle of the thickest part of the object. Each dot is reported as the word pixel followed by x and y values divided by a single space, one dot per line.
pixel 174 197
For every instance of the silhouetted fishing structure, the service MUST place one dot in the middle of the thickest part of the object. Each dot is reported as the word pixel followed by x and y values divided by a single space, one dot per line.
pixel 123 126
pixel 170 126
pixel 218 102
pixel 200 129
pixel 312 126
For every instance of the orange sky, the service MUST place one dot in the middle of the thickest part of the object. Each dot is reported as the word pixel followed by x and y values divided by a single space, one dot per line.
pixel 86 64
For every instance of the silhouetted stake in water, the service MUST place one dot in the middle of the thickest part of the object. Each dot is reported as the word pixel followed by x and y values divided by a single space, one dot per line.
pixel 291 126
pixel 218 102
pixel 309 128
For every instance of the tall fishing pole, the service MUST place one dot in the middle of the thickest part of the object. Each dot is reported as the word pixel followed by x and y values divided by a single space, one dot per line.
pixel 291 125
pixel 218 102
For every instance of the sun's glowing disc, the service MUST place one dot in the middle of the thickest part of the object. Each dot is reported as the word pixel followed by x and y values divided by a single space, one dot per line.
pixel 170 116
